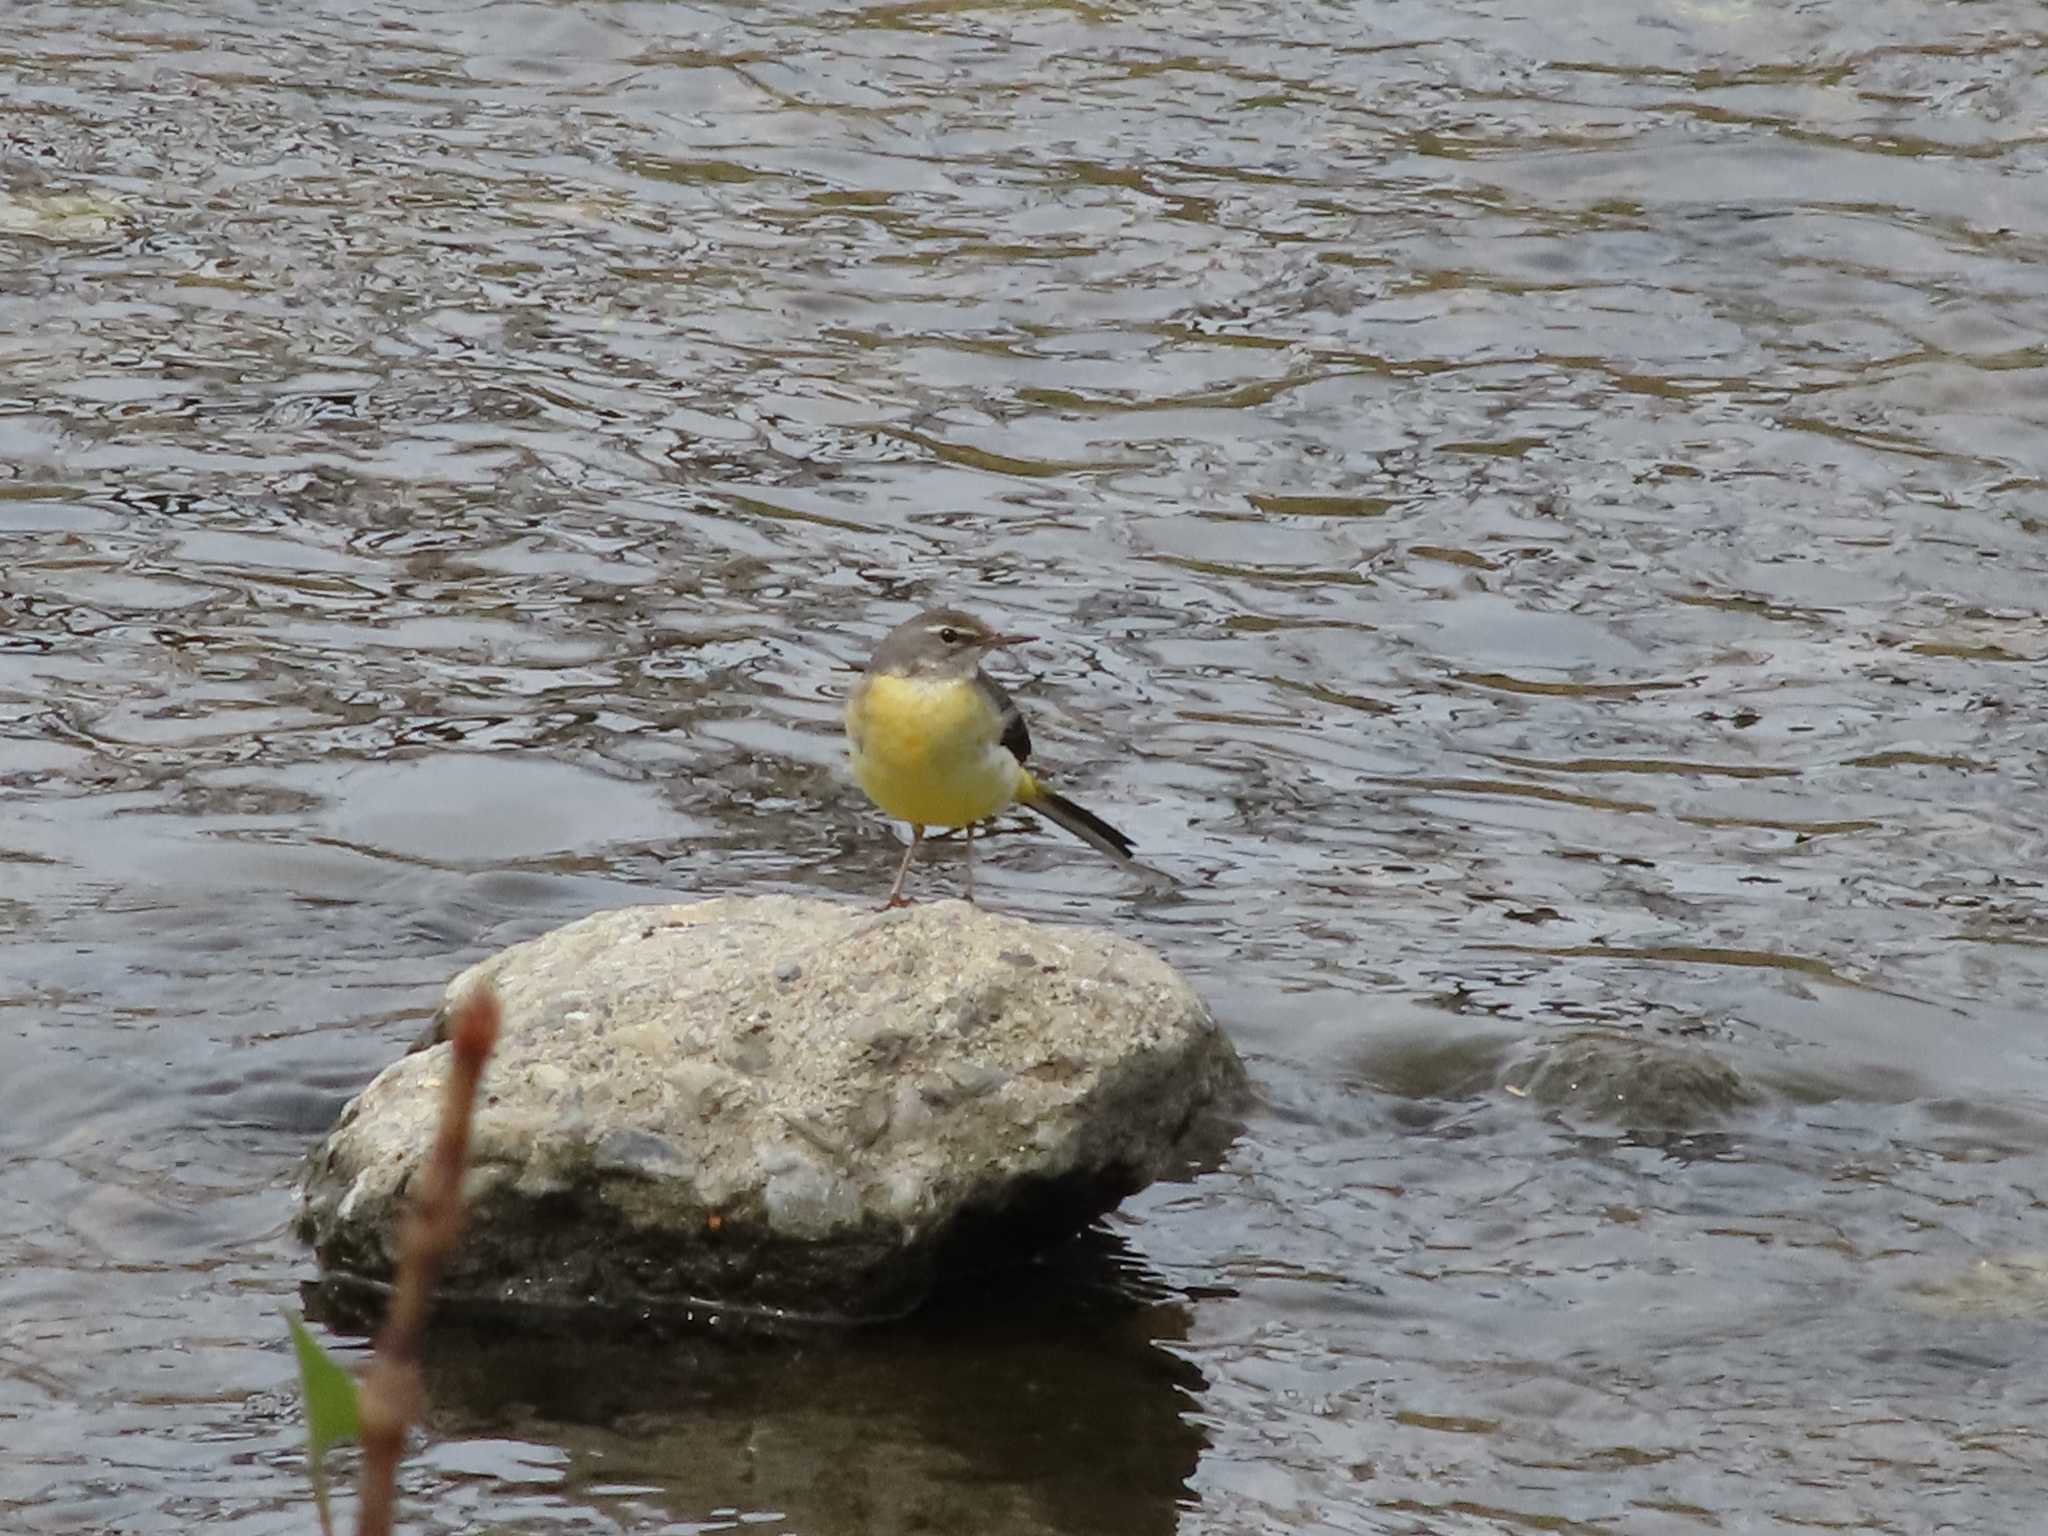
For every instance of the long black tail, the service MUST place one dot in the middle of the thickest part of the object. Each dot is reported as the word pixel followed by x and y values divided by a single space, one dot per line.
pixel 1080 821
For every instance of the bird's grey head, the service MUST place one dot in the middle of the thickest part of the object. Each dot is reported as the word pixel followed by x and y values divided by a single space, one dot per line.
pixel 938 643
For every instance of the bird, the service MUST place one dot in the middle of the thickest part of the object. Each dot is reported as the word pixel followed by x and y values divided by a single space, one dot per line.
pixel 936 742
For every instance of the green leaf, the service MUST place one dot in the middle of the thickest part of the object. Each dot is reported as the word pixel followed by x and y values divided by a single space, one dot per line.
pixel 330 1407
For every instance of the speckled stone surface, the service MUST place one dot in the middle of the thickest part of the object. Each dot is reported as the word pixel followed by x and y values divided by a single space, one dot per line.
pixel 771 1105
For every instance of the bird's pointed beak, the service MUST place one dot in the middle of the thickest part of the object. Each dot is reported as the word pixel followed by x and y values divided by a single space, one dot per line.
pixel 997 642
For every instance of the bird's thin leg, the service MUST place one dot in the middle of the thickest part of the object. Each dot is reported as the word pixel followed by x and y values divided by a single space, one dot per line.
pixel 970 863
pixel 896 896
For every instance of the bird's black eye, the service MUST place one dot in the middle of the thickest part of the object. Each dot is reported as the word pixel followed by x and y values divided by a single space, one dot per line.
pixel 951 635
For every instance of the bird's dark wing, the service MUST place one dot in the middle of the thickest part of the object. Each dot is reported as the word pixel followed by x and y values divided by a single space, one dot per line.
pixel 1016 735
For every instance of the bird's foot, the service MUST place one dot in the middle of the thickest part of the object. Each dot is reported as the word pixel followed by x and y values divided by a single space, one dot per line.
pixel 894 902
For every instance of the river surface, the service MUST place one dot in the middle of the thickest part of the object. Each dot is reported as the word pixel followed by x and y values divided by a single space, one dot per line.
pixel 1538 517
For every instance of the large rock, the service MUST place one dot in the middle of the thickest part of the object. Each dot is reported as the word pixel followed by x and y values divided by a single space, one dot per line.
pixel 769 1106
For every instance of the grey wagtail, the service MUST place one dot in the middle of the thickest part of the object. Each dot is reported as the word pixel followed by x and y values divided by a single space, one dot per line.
pixel 937 743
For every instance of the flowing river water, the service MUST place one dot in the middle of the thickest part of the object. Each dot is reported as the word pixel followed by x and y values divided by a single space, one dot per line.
pixel 1538 519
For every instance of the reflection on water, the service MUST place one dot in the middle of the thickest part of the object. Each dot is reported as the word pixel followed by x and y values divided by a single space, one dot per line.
pixel 1053 1401
pixel 1538 523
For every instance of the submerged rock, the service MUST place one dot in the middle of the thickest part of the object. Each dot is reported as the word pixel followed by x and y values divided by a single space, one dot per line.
pixel 773 1105
pixel 2006 1285
pixel 1638 1082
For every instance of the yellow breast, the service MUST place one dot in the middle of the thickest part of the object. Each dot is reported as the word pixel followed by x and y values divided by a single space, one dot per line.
pixel 930 752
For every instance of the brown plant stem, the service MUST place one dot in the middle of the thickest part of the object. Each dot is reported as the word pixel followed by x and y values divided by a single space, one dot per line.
pixel 392 1393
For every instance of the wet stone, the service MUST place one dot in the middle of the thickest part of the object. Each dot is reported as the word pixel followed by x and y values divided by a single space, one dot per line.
pixel 708 1106
pixel 1633 1081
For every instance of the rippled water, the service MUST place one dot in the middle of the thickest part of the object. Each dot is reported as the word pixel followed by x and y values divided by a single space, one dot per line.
pixel 1538 514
